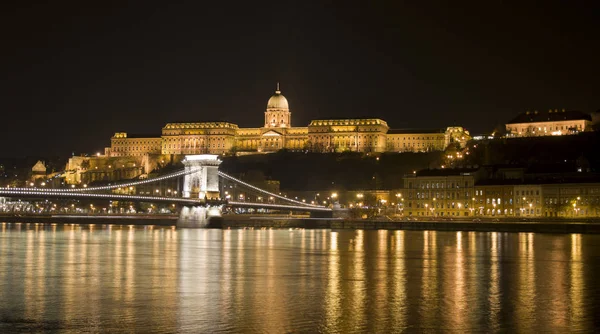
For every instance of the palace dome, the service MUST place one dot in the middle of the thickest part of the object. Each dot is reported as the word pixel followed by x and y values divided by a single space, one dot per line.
pixel 278 101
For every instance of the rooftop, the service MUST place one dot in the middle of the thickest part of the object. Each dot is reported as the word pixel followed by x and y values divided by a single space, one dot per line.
pixel 415 131
pixel 143 135
pixel 200 125
pixel 550 116
pixel 445 172
pixel 347 121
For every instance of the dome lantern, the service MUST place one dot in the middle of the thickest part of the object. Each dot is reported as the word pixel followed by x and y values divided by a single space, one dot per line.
pixel 278 101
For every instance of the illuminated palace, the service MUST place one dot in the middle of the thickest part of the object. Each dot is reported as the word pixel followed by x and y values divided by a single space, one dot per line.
pixel 321 135
pixel 550 123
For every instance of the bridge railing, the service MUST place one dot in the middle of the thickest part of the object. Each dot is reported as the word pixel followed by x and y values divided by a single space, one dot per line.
pixel 267 193
pixel 75 195
pixel 116 185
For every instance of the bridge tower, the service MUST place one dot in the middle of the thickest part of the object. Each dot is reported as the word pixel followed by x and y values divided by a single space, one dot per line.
pixel 202 183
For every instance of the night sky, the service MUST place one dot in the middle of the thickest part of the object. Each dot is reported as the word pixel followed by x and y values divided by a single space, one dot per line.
pixel 73 73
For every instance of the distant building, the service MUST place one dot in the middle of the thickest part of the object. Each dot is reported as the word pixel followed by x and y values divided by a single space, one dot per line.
pixel 440 192
pixel 124 145
pixel 548 123
pixel 412 140
pixel 277 132
pixel 38 170
pixel 502 191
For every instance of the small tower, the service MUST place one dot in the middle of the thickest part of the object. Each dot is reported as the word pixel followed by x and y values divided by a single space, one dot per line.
pixel 278 113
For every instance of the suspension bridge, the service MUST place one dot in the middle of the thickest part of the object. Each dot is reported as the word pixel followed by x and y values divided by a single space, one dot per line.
pixel 200 188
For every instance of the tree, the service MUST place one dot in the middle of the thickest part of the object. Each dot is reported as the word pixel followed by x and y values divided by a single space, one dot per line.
pixel 233 151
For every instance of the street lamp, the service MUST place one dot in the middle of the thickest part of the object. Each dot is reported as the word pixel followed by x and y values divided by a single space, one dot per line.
pixel 530 206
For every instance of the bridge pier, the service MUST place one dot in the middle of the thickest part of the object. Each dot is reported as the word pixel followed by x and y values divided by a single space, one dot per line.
pixel 198 216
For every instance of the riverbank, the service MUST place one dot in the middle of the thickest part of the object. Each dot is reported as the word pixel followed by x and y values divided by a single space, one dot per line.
pixel 479 226
pixel 166 220
pixel 286 222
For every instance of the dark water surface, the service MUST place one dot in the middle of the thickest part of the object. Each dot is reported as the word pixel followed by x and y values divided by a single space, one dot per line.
pixel 125 279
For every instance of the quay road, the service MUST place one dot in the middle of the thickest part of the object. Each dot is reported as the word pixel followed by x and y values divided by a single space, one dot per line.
pixel 115 219
pixel 298 221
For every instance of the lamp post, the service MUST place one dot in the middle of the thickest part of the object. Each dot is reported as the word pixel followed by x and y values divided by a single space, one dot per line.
pixel 530 206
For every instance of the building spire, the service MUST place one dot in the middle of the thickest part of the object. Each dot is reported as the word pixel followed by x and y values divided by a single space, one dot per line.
pixel 278 91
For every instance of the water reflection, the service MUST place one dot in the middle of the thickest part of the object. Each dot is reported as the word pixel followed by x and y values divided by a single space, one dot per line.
pixel 122 278
pixel 333 297
pixel 576 270
pixel 494 285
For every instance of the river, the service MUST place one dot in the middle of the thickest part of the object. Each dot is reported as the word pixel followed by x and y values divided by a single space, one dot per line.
pixel 92 278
